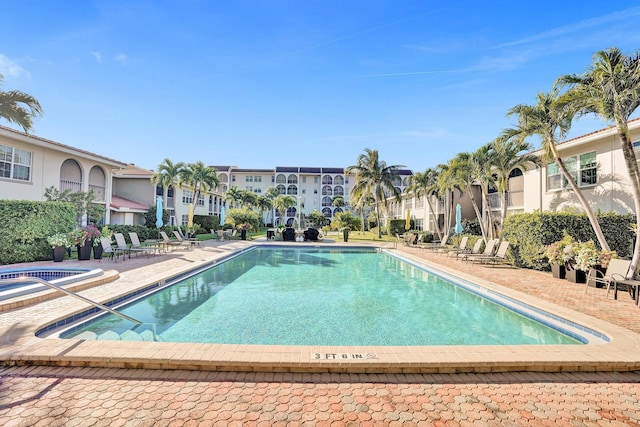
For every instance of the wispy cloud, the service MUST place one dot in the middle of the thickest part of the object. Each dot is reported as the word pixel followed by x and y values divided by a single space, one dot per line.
pixel 10 68
pixel 587 24
pixel 97 55
pixel 122 58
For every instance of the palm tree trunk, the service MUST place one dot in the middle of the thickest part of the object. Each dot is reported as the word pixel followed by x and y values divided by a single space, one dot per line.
pixel 490 225
pixel 478 215
pixel 587 207
pixel 634 173
pixel 378 220
pixel 433 213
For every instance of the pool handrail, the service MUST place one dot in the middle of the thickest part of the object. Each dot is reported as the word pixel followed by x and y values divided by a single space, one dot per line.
pixel 73 294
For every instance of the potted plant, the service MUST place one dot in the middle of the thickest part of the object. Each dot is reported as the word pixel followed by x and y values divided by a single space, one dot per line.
pixel 97 245
pixel 59 243
pixel 599 268
pixel 345 233
pixel 555 252
pixel 80 238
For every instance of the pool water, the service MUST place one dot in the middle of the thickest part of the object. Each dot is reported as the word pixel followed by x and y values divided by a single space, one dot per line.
pixel 292 296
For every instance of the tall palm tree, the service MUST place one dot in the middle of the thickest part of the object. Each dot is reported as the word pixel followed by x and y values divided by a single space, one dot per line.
pixel 282 203
pixel 610 88
pixel 507 154
pixel 248 198
pixel 200 178
pixel 374 177
pixel 463 175
pixel 271 193
pixel 447 185
pixel 19 107
pixel 167 174
pixel 484 176
pixel 425 184
pixel 550 121
pixel 264 204
pixel 234 196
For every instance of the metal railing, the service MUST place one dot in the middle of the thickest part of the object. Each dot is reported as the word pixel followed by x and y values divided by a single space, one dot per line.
pixel 58 288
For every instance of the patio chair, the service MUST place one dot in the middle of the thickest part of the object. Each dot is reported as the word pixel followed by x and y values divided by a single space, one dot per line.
pixel 488 251
pixel 188 243
pixel 435 245
pixel 170 243
pixel 107 248
pixel 137 246
pixel 475 250
pixel 462 246
pixel 499 257
pixel 617 270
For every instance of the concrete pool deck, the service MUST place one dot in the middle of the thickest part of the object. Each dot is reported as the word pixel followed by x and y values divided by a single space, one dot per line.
pixel 50 395
pixel 617 319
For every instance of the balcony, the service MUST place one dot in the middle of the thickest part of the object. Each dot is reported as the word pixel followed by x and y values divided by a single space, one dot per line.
pixel 73 186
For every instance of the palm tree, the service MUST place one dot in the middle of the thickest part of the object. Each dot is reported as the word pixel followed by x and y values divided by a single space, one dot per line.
pixel 462 172
pixel 424 184
pixel 282 203
pixel 363 204
pixel 264 204
pixel 19 107
pixel 506 155
pixel 550 122
pixel 248 198
pixel 375 178
pixel 200 178
pixel 234 196
pixel 447 184
pixel 610 88
pixel 482 160
pixel 271 193
pixel 166 174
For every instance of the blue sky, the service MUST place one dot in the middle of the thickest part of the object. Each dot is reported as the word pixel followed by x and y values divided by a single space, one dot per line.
pixel 261 84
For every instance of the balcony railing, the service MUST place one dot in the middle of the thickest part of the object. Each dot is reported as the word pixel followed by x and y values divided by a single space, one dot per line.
pixel 98 192
pixel 515 199
pixel 74 186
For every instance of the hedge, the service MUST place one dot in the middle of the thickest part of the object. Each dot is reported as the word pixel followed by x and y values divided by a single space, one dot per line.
pixel 530 232
pixel 25 226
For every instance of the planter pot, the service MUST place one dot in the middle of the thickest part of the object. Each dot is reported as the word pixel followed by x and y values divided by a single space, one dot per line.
pixel 558 271
pixel 58 253
pixel 97 252
pixel 84 251
pixel 345 235
pixel 576 276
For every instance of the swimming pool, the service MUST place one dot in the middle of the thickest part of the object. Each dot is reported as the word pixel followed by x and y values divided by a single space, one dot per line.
pixel 317 296
pixel 59 276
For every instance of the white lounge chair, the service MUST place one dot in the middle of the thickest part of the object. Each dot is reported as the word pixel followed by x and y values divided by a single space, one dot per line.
pixel 107 248
pixel 617 271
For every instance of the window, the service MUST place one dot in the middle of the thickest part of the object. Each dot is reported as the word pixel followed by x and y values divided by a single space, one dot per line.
pixel 304 179
pixel 201 200
pixel 582 168
pixel 257 178
pixel 187 196
pixel 248 178
pixel 15 163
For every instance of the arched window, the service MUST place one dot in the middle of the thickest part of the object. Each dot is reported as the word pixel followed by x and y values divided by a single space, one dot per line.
pixel 70 176
pixel 397 180
pixel 281 179
pixel 327 180
pixel 291 212
pixel 406 181
pixel 223 177
pixel 292 189
pixel 338 180
pixel 97 183
pixel 281 189
pixel 292 179
pixel 336 210
pixel 326 191
pixel 327 201
pixel 338 191
pixel 326 212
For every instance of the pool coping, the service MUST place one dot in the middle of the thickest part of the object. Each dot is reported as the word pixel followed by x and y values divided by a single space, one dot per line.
pixel 622 353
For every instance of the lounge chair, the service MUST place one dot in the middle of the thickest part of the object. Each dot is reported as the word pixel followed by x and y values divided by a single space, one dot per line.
pixel 617 271
pixel 137 246
pixel 107 248
pixel 500 257
pixel 188 243
pixel 171 243
pixel 475 250
pixel 435 245
pixel 488 251
pixel 462 246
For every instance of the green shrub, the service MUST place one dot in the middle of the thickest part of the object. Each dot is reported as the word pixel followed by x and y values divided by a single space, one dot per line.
pixel 530 232
pixel 26 225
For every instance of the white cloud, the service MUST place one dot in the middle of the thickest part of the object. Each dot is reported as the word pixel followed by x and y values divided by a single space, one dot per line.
pixel 97 55
pixel 10 68
pixel 122 58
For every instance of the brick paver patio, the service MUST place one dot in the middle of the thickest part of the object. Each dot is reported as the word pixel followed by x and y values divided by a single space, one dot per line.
pixel 49 396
